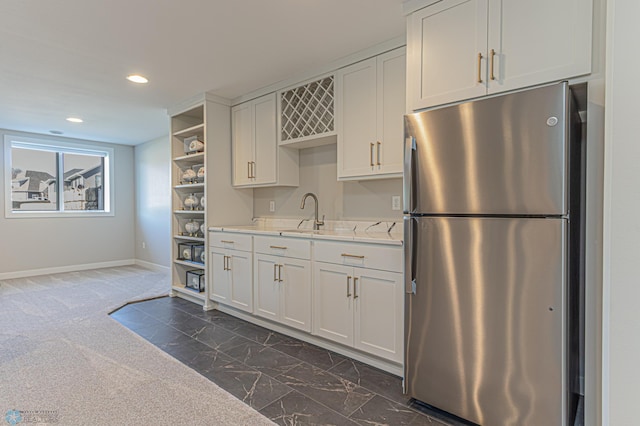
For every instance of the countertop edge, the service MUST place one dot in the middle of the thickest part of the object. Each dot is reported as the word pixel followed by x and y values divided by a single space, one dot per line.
pixel 372 238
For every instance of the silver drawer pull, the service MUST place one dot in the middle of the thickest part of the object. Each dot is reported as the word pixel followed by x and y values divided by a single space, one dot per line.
pixel 226 242
pixel 355 256
pixel 278 247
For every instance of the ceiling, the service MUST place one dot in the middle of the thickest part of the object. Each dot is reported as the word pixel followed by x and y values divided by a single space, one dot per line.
pixel 61 58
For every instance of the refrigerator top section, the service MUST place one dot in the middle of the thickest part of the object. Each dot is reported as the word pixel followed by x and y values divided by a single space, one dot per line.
pixel 505 155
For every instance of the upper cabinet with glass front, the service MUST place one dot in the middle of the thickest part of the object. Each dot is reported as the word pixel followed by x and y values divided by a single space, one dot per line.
pixel 461 49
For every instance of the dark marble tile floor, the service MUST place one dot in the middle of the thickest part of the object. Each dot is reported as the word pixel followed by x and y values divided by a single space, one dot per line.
pixel 287 380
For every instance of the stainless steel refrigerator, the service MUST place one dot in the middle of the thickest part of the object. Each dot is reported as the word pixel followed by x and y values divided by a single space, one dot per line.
pixel 492 193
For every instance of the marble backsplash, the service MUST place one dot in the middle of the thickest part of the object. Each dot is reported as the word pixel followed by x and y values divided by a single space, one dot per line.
pixel 374 227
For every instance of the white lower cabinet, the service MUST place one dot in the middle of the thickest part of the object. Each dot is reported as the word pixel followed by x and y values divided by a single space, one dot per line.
pixel 349 293
pixel 359 307
pixel 282 281
pixel 333 302
pixel 282 290
pixel 231 272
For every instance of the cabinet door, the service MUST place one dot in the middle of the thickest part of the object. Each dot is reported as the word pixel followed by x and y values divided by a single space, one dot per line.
pixel 264 124
pixel 357 137
pixel 333 302
pixel 378 313
pixel 219 290
pixel 266 287
pixel 295 293
pixel 241 280
pixel 391 89
pixel 538 41
pixel 444 41
pixel 242 145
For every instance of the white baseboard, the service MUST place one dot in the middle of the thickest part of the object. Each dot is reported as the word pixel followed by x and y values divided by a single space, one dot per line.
pixel 152 266
pixel 61 269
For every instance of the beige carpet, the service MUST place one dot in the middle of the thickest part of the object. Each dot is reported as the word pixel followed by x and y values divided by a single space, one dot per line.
pixel 62 358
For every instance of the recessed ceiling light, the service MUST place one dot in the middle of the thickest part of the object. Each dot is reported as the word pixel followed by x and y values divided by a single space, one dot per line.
pixel 137 78
pixel 75 119
pixel 56 132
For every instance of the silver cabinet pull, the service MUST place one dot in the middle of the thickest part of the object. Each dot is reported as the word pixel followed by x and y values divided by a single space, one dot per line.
pixel 348 286
pixel 479 67
pixel 355 256
pixel 226 241
pixel 493 54
pixel 378 154
pixel 253 170
pixel 278 247
pixel 355 287
pixel 371 154
pixel 277 272
pixel 249 169
pixel 225 263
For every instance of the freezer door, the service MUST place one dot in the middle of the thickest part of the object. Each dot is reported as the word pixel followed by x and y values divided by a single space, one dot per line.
pixel 484 328
pixel 502 155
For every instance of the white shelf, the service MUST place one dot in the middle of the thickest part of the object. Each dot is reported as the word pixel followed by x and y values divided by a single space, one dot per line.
pixel 182 289
pixel 189 212
pixel 196 158
pixel 190 186
pixel 198 129
pixel 188 238
pixel 190 264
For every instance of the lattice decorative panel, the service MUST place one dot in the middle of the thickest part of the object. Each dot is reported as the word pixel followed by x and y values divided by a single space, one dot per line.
pixel 307 110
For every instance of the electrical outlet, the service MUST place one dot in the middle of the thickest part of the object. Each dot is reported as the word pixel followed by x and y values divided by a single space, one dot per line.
pixel 144 245
pixel 272 206
pixel 395 202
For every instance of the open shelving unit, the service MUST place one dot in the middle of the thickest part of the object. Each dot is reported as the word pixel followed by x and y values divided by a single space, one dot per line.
pixel 208 118
pixel 184 125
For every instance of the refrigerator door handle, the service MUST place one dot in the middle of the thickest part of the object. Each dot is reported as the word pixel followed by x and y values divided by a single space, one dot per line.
pixel 410 255
pixel 409 175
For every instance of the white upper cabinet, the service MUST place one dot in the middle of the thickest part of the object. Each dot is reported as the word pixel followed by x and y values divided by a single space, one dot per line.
pixel 462 49
pixel 444 42
pixel 370 105
pixel 241 117
pixel 257 160
pixel 538 41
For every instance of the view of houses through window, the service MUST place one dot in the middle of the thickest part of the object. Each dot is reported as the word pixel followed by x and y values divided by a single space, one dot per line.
pixel 51 178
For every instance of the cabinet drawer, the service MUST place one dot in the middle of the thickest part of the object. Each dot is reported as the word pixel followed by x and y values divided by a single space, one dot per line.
pixel 230 240
pixel 281 246
pixel 384 257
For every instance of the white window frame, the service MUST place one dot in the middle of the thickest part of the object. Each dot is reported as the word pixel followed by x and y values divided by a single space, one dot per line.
pixel 64 147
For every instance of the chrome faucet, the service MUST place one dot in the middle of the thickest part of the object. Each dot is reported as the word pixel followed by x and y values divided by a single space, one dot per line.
pixel 316 223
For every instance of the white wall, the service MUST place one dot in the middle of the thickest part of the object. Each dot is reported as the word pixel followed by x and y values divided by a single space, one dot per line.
pixel 28 244
pixel 153 202
pixel 621 278
pixel 338 200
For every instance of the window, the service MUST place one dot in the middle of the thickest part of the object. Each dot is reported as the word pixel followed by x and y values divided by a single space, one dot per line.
pixel 52 178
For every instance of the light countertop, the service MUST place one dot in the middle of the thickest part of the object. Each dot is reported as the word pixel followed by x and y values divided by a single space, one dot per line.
pixel 366 232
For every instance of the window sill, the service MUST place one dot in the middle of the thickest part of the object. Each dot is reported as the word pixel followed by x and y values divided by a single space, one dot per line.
pixel 53 214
